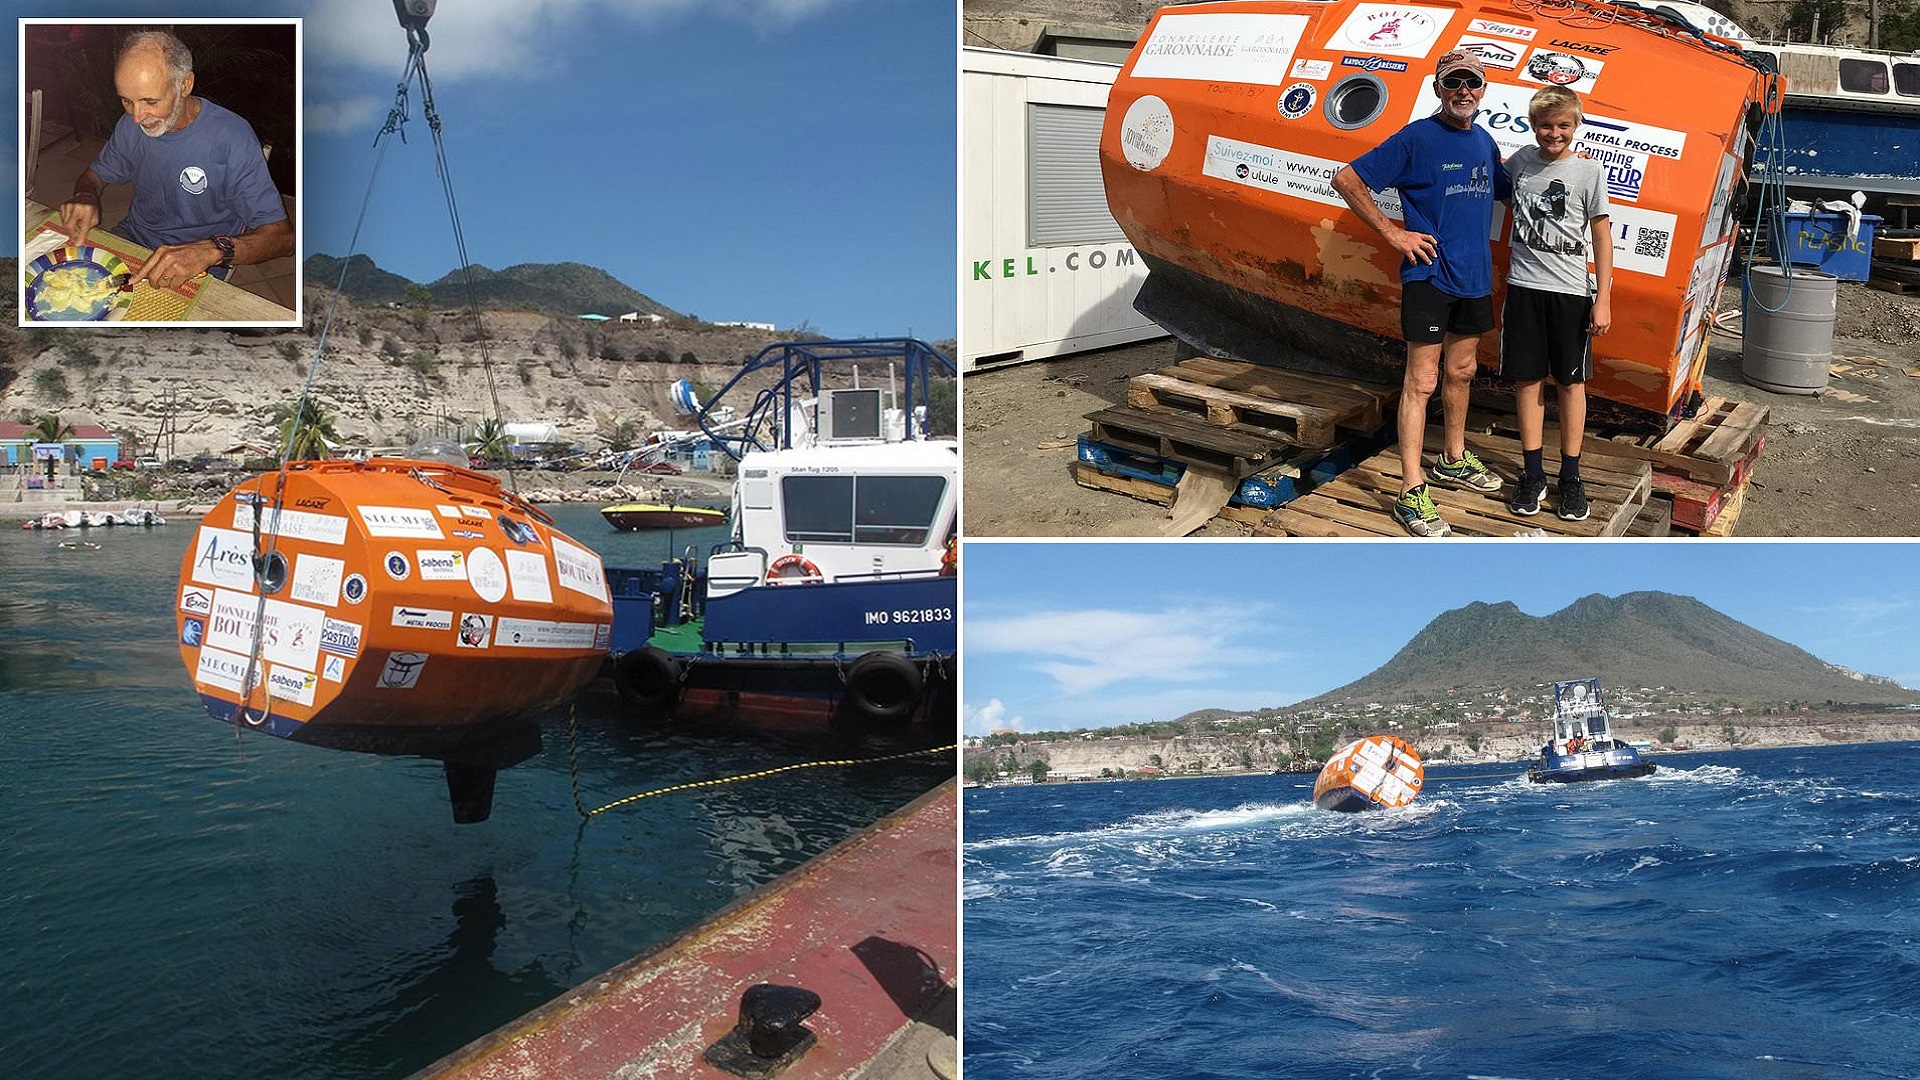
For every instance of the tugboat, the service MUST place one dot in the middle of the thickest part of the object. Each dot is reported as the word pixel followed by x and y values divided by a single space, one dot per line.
pixel 835 597
pixel 1582 746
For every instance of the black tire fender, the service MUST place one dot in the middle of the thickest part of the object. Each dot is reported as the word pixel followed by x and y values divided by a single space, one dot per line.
pixel 647 676
pixel 884 686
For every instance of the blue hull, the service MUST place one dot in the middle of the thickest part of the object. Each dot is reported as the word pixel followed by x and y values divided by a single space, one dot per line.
pixel 1832 148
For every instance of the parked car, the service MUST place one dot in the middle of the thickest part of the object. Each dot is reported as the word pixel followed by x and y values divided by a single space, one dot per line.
pixel 146 461
pixel 665 468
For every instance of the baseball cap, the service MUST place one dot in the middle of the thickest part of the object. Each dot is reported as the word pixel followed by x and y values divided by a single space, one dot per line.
pixel 1458 60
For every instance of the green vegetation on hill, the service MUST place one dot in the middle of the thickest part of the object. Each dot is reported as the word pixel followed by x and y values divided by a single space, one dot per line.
pixel 563 289
pixel 1637 639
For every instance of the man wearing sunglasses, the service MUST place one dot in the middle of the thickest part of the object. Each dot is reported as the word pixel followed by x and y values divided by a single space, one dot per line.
pixel 1448 174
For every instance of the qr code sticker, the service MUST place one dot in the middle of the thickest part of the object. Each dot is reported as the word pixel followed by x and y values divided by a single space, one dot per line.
pixel 1652 244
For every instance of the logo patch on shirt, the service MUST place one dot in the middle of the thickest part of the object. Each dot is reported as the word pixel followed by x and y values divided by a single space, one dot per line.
pixel 193 180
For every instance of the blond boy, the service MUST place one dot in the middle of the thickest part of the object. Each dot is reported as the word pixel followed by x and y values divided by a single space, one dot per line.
pixel 1554 308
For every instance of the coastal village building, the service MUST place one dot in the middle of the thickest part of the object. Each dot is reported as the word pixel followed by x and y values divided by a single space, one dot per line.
pixel 89 446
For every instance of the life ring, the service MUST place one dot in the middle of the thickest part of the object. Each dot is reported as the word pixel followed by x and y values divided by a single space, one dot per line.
pixel 793 570
pixel 883 686
pixel 648 677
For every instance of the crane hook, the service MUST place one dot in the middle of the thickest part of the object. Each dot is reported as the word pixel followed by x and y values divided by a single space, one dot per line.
pixel 413 18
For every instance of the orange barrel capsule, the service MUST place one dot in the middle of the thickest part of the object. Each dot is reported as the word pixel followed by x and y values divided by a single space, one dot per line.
pixel 1378 772
pixel 390 606
pixel 1227 123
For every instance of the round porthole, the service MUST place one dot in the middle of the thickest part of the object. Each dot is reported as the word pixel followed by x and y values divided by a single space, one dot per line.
pixel 1356 101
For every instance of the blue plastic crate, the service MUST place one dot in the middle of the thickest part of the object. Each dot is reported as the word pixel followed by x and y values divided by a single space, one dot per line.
pixel 1820 240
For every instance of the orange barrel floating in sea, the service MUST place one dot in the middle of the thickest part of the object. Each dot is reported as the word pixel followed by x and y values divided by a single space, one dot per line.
pixel 1378 772
pixel 392 606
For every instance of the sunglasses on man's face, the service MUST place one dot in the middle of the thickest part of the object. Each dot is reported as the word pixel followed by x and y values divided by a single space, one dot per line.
pixel 1463 82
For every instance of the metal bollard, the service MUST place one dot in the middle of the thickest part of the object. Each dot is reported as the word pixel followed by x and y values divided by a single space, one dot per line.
pixel 770 1035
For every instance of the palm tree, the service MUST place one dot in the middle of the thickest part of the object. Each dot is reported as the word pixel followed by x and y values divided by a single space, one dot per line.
pixel 311 432
pixel 490 441
pixel 49 428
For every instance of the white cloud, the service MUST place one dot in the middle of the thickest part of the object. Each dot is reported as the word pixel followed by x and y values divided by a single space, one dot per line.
pixel 1084 651
pixel 514 38
pixel 359 113
pixel 991 717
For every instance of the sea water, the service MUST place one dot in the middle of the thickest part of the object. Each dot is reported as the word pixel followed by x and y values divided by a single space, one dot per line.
pixel 177 900
pixel 1749 914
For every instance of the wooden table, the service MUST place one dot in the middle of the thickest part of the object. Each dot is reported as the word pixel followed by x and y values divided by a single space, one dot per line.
pixel 217 301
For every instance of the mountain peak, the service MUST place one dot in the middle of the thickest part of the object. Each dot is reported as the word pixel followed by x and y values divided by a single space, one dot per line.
pixel 565 289
pixel 1645 638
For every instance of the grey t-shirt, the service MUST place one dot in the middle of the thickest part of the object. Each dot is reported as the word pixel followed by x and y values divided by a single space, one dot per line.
pixel 1554 204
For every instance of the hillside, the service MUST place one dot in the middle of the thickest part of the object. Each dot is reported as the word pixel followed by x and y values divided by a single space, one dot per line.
pixel 1638 639
pixel 560 289
pixel 389 377
pixel 1677 673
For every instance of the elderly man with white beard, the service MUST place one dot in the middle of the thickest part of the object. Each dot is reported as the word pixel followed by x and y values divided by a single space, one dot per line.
pixel 202 198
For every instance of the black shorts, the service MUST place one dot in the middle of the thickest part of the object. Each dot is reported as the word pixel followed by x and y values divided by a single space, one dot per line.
pixel 1546 332
pixel 1428 315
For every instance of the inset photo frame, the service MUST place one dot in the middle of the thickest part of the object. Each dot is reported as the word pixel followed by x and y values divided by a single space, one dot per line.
pixel 160 172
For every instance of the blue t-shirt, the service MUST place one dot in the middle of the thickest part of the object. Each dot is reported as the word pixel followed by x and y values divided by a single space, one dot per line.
pixel 207 179
pixel 1448 181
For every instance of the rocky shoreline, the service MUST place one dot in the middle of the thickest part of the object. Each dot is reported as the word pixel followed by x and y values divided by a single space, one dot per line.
pixel 190 495
pixel 1088 755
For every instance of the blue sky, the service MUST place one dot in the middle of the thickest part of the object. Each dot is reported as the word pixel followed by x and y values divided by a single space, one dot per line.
pixel 763 160
pixel 1066 635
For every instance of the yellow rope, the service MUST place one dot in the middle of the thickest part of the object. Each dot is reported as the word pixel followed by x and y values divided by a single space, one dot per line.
pixel 947 749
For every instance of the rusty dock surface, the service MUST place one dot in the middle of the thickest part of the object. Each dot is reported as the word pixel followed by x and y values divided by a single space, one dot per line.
pixel 871 926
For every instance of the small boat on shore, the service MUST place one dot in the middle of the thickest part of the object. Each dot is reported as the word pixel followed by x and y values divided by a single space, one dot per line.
pixel 1378 772
pixel 139 517
pixel 634 516
pixel 1581 745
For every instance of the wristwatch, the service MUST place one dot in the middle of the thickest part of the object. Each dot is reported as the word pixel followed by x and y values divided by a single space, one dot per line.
pixel 225 244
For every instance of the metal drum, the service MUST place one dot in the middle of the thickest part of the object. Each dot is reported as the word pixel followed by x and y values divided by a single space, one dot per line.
pixel 1789 329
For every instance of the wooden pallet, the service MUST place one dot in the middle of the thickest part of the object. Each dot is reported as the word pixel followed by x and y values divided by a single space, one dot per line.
pixel 1901 247
pixel 1894 277
pixel 1708 448
pixel 1089 477
pixel 1729 517
pixel 1696 504
pixel 1654 520
pixel 1237 417
pixel 1170 433
pixel 1359 502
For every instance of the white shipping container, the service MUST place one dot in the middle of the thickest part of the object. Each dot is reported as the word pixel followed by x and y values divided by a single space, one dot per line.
pixel 1045 269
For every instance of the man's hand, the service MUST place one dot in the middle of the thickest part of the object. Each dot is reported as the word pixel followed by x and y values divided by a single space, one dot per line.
pixel 1417 246
pixel 78 215
pixel 177 264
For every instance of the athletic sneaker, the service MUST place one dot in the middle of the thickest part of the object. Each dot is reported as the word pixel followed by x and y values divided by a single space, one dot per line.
pixel 1570 502
pixel 1415 512
pixel 1468 472
pixel 1526 496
